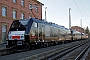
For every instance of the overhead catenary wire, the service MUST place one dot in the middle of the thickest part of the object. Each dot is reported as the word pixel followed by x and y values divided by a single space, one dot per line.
pixel 75 4
pixel 80 10
pixel 84 11
pixel 55 14
pixel 82 7
pixel 56 5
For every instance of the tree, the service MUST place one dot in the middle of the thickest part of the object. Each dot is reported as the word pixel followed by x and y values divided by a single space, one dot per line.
pixel 87 30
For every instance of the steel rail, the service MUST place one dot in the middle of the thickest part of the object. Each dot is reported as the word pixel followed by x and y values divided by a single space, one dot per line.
pixel 81 54
pixel 65 52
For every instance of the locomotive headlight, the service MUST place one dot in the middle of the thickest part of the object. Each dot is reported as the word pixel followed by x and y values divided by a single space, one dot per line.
pixel 10 37
pixel 9 32
pixel 6 43
pixel 22 36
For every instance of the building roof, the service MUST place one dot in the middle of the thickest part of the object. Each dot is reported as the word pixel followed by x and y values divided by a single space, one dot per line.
pixel 37 2
pixel 77 27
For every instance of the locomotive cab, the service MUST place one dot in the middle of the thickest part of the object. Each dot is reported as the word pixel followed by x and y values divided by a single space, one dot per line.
pixel 16 34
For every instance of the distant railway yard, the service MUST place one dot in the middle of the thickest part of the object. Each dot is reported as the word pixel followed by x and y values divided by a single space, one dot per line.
pixel 76 50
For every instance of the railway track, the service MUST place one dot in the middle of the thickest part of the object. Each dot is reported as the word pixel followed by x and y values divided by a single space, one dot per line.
pixel 8 51
pixel 82 53
pixel 74 53
pixel 57 53
pixel 45 55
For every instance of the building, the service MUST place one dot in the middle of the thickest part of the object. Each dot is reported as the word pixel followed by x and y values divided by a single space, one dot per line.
pixel 77 28
pixel 17 9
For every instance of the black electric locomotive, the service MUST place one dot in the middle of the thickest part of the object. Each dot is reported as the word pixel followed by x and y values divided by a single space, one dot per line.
pixel 34 33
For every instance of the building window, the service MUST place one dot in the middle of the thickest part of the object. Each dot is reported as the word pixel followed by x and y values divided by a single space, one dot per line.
pixel 4 11
pixel 36 9
pixel 4 31
pixel 14 14
pixel 30 6
pixel 22 15
pixel 14 1
pixel 22 2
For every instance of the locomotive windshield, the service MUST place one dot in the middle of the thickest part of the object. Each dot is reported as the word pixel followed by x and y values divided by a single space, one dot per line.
pixel 19 25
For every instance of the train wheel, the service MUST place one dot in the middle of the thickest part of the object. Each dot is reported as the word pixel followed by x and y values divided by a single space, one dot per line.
pixel 47 44
pixel 7 46
pixel 15 48
pixel 52 43
pixel 27 46
pixel 33 46
pixel 44 44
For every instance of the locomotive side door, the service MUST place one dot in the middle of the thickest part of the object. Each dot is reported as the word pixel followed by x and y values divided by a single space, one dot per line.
pixel 41 31
pixel 34 32
pixel 43 35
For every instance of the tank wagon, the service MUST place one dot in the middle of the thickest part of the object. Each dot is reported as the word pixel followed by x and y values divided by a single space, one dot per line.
pixel 34 33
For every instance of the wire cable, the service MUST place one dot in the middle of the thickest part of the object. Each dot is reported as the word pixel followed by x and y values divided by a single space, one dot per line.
pixel 55 14
pixel 79 9
pixel 55 5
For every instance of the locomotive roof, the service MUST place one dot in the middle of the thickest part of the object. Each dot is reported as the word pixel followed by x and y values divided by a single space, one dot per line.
pixel 45 22
pixel 49 23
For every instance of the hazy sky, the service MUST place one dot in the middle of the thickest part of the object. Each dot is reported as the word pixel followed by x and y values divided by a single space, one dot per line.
pixel 58 12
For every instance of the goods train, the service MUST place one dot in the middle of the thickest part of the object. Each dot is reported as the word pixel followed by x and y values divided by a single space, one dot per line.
pixel 34 33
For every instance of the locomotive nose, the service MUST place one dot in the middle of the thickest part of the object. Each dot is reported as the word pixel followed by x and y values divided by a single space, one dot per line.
pixel 16 35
